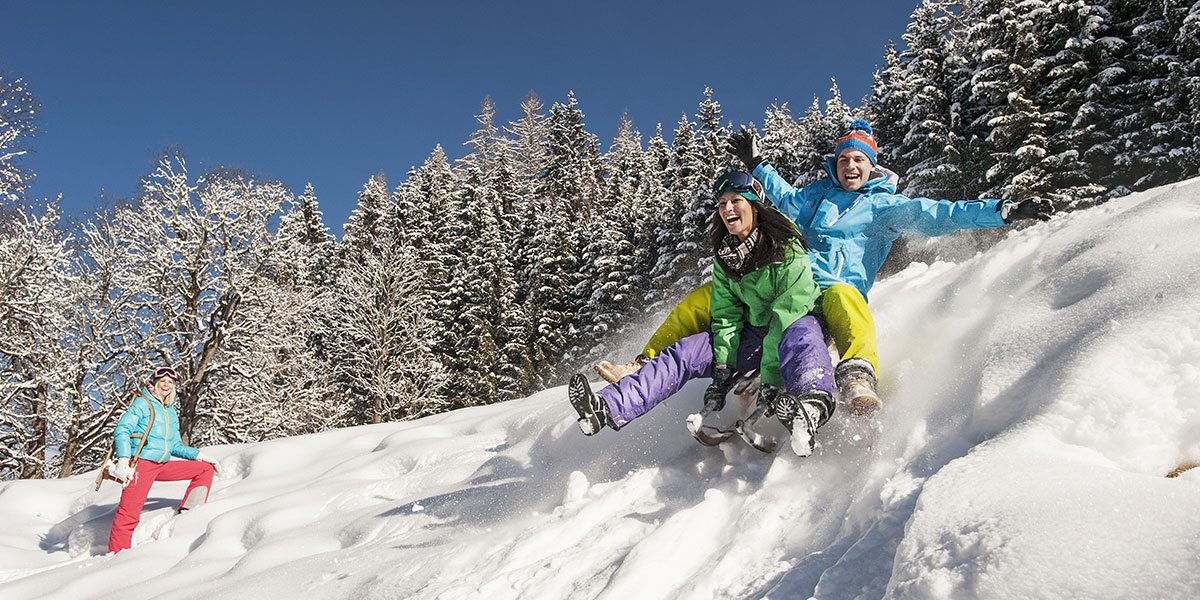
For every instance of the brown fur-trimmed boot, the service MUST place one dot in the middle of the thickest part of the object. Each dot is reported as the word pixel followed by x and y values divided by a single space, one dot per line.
pixel 613 373
pixel 856 386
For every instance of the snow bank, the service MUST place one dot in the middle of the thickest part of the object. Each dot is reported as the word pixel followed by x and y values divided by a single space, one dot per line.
pixel 1035 395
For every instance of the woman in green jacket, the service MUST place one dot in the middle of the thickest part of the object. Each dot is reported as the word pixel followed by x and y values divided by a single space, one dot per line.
pixel 763 290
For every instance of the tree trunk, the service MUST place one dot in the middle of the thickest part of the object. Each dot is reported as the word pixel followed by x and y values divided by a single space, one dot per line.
pixel 39 437
pixel 188 397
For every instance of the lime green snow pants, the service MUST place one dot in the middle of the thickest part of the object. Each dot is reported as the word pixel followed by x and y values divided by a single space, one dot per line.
pixel 846 314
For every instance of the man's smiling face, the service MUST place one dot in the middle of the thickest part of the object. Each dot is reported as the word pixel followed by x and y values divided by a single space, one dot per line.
pixel 853 169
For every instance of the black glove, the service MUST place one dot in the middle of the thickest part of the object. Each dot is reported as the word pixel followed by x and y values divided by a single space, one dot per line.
pixel 722 380
pixel 767 395
pixel 1033 208
pixel 743 145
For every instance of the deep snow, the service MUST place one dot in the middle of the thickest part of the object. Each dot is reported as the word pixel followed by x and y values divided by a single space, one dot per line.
pixel 1036 395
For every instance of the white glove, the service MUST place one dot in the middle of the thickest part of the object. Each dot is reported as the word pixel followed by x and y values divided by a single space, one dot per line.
pixel 201 456
pixel 122 470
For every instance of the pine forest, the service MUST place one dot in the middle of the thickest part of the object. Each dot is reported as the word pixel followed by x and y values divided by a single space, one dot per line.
pixel 485 277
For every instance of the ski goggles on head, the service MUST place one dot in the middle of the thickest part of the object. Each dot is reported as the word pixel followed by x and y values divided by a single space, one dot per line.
pixel 161 372
pixel 732 180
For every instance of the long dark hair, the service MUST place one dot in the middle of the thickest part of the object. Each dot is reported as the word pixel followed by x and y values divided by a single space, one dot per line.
pixel 776 234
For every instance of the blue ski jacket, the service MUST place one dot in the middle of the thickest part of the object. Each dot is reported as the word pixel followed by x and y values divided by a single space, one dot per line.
pixel 164 441
pixel 850 233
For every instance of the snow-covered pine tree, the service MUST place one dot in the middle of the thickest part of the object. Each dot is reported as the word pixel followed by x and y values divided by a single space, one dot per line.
pixel 383 345
pixel 510 319
pixel 971 105
pixel 611 294
pixel 886 109
pixel 710 157
pixel 471 347
pixel 927 148
pixel 550 302
pixel 457 295
pixel 424 213
pixel 816 129
pixel 650 204
pixel 1015 140
pixel 838 114
pixel 675 268
pixel 18 114
pixel 529 137
pixel 1067 90
pixel 503 180
pixel 572 155
pixel 494 205
pixel 686 163
pixel 713 136
pixel 303 226
pixel 573 173
pixel 364 232
pixel 491 158
pixel 480 289
pixel 1188 41
pixel 610 306
pixel 658 155
pixel 1151 121
pixel 467 348
pixel 37 287
pixel 783 141
pixel 1019 141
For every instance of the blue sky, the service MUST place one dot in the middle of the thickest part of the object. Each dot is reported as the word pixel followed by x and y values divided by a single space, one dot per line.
pixel 331 93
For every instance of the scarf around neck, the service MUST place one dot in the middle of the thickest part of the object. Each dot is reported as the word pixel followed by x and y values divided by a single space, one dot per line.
pixel 736 253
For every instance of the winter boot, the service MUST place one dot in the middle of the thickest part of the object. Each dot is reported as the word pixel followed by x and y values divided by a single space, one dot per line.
pixel 803 415
pixel 856 386
pixel 593 412
pixel 197 497
pixel 613 373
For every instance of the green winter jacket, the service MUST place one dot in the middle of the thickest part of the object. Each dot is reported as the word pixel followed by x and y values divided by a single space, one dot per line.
pixel 773 296
pixel 164 440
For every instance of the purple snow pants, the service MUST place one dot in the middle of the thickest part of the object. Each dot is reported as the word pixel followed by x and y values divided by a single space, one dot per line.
pixel 803 362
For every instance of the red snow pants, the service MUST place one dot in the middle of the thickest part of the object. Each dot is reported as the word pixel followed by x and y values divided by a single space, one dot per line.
pixel 133 497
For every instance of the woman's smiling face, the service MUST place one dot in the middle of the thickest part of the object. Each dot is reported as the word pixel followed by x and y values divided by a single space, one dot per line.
pixel 164 388
pixel 736 213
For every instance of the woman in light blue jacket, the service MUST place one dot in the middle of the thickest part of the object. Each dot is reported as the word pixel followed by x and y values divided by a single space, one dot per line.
pixel 145 439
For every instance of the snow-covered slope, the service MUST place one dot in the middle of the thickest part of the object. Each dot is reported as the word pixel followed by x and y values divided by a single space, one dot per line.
pixel 1036 396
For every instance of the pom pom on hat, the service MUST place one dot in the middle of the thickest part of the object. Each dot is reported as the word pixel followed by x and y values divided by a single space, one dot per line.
pixel 859 137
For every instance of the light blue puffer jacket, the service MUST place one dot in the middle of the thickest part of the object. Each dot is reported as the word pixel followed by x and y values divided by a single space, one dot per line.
pixel 164 441
pixel 850 233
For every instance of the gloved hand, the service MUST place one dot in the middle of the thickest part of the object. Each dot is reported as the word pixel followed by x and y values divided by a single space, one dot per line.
pixel 123 471
pixel 767 395
pixel 1033 208
pixel 744 146
pixel 201 456
pixel 722 380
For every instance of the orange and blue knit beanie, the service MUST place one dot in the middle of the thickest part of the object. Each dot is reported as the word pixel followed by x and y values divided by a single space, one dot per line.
pixel 859 137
